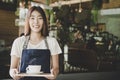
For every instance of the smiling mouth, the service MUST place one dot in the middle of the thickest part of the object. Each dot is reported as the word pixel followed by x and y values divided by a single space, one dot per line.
pixel 36 26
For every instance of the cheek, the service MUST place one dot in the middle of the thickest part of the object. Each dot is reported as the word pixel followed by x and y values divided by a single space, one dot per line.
pixel 41 22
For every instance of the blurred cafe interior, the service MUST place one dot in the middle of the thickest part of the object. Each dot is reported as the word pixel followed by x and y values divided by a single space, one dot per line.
pixel 88 32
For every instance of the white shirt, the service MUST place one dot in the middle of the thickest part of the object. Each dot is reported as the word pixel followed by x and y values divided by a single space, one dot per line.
pixel 18 43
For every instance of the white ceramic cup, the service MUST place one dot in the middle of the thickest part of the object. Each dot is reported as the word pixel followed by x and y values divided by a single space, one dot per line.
pixel 33 69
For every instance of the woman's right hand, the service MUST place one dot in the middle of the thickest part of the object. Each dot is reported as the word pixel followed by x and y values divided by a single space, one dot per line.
pixel 13 73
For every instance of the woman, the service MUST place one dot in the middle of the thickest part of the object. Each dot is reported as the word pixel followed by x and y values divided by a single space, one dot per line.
pixel 35 42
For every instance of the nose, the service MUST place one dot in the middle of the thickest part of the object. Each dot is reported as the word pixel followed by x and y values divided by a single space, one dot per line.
pixel 35 20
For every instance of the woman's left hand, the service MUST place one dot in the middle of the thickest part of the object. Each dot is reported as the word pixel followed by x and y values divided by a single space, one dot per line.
pixel 53 76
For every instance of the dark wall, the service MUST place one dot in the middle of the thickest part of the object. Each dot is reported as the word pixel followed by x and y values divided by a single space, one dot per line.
pixel 8 30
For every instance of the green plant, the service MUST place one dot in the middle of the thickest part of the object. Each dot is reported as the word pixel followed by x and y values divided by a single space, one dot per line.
pixel 96 6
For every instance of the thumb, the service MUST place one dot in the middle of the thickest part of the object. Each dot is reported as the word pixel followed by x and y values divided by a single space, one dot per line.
pixel 51 71
pixel 12 72
pixel 16 71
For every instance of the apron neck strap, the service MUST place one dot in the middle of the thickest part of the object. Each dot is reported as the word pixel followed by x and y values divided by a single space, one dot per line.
pixel 27 38
pixel 26 42
pixel 46 43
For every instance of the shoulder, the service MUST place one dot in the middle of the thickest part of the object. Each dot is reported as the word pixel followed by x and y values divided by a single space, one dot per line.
pixel 19 40
pixel 54 46
pixel 17 46
pixel 51 39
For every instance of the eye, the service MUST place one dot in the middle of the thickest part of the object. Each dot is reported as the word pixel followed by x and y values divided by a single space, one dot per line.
pixel 40 18
pixel 32 18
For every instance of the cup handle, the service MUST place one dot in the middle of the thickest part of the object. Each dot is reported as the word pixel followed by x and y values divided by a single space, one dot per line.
pixel 27 69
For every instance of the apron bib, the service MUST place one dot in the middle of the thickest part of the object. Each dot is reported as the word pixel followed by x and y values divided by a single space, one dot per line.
pixel 35 57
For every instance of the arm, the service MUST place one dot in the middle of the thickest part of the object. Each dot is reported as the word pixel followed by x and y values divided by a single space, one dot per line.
pixel 55 65
pixel 14 67
pixel 14 62
pixel 55 51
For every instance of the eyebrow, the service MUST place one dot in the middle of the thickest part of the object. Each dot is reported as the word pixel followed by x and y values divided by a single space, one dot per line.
pixel 37 16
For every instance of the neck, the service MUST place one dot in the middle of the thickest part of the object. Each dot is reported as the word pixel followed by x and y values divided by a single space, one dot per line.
pixel 36 37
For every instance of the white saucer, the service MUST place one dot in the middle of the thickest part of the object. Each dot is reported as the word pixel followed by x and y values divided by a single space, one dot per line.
pixel 34 72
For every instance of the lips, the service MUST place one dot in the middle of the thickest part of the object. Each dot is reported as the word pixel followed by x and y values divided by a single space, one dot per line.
pixel 36 26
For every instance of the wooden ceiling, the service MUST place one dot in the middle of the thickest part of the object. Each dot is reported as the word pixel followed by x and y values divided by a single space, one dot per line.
pixel 53 2
pixel 86 4
pixel 45 1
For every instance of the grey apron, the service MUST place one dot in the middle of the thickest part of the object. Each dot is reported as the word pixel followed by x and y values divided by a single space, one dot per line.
pixel 35 57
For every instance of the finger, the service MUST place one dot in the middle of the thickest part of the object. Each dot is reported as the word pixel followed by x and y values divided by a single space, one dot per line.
pixel 16 71
pixel 17 77
pixel 50 77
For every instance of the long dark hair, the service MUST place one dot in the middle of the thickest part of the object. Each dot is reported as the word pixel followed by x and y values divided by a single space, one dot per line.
pixel 44 31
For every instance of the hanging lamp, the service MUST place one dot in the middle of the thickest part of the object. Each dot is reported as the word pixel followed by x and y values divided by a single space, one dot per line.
pixel 80 6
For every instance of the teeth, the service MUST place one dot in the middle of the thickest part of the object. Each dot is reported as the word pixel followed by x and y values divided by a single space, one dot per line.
pixel 35 26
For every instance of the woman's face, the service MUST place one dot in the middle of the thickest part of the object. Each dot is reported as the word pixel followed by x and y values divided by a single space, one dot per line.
pixel 36 21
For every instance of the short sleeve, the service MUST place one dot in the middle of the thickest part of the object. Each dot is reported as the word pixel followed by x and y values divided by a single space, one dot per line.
pixel 17 47
pixel 54 46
